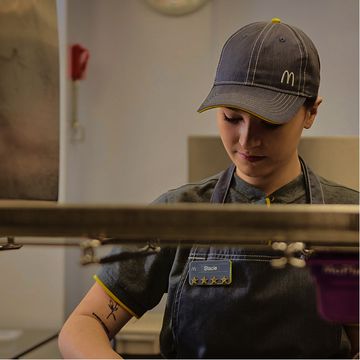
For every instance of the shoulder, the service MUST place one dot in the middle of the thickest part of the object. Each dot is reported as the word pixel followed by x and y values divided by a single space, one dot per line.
pixel 335 193
pixel 200 191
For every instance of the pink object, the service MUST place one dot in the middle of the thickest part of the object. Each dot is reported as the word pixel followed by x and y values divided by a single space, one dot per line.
pixel 337 282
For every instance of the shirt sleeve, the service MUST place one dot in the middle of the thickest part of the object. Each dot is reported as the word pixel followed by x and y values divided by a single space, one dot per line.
pixel 137 281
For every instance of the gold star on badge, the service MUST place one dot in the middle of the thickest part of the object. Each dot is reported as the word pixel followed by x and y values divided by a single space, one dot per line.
pixel 203 280
pixel 224 280
pixel 194 280
pixel 213 280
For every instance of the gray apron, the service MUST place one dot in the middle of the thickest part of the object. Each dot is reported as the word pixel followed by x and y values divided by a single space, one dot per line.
pixel 263 313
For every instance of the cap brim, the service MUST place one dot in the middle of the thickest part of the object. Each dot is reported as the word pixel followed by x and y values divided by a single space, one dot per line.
pixel 268 105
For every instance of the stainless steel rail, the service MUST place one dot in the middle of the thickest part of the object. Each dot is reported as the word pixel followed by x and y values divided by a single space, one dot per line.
pixel 323 225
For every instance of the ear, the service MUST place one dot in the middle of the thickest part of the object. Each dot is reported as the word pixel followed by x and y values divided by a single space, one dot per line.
pixel 312 112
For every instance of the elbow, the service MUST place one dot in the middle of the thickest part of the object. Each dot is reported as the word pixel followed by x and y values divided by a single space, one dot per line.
pixel 64 342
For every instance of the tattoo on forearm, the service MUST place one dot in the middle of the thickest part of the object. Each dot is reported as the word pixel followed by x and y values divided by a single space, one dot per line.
pixel 113 307
pixel 102 324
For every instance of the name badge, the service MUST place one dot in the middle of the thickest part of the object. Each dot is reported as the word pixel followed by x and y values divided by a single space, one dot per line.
pixel 210 272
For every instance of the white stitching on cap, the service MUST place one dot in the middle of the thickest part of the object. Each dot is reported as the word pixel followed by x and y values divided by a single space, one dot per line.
pixel 258 53
pixel 289 92
pixel 284 103
pixel 227 42
pixel 252 51
pixel 307 58
pixel 280 102
pixel 301 54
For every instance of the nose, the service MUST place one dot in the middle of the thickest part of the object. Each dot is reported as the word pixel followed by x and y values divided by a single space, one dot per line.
pixel 249 134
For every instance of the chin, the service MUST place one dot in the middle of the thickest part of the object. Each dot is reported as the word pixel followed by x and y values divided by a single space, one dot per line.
pixel 253 170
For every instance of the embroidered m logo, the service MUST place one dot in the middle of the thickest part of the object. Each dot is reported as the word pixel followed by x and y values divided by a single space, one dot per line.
pixel 289 77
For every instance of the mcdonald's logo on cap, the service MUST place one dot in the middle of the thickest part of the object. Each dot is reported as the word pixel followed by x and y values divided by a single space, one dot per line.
pixel 289 76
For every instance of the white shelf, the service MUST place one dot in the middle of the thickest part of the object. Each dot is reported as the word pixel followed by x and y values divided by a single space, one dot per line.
pixel 140 336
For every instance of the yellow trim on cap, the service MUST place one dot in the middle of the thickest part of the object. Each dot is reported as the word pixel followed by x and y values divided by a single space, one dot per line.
pixel 114 297
pixel 268 202
pixel 275 20
pixel 239 108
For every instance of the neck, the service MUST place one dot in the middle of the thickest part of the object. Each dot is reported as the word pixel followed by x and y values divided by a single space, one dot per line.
pixel 273 181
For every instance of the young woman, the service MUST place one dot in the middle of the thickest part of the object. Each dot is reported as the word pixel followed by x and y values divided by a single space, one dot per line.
pixel 266 93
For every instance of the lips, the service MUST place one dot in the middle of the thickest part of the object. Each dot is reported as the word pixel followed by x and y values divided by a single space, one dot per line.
pixel 251 158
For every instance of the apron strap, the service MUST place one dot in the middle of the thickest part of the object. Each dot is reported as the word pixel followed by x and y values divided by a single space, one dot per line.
pixel 313 188
pixel 223 185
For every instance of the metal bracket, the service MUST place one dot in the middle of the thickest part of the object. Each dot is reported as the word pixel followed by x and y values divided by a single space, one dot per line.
pixel 88 247
pixel 10 244
pixel 151 248
pixel 89 257
pixel 294 254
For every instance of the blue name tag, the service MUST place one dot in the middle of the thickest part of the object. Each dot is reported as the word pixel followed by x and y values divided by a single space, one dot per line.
pixel 210 272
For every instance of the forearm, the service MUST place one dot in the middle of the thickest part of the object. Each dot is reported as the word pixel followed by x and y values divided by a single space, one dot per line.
pixel 82 336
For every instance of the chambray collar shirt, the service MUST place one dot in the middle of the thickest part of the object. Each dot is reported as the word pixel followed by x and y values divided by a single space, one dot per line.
pixel 263 313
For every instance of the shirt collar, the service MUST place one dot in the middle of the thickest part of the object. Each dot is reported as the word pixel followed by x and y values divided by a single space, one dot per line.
pixel 288 193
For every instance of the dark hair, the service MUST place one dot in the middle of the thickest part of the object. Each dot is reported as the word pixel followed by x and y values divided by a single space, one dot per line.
pixel 309 102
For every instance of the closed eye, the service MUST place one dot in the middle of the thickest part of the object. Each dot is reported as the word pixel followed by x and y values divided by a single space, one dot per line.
pixel 269 125
pixel 233 120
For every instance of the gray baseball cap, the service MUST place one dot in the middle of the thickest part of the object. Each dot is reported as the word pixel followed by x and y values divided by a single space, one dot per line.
pixel 267 69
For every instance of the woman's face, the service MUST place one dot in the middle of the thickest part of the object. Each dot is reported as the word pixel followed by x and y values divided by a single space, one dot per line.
pixel 261 151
